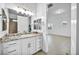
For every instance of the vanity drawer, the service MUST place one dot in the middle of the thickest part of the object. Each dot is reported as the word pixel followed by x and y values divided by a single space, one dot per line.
pixel 14 52
pixel 9 44
pixel 10 52
pixel 12 48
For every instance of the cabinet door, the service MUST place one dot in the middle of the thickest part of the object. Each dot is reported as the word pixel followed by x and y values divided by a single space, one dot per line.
pixel 0 49
pixel 31 45
pixel 18 47
pixel 1 24
pixel 25 46
pixel 38 43
pixel 10 51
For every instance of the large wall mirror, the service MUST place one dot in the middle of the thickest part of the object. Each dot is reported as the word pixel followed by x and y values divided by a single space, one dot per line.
pixel 3 20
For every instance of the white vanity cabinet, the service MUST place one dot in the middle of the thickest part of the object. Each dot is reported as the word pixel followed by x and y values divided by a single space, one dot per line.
pixel 23 46
pixel 35 44
pixel 31 45
pixel 12 48
pixel 1 23
pixel 0 49
pixel 38 43
pixel 28 46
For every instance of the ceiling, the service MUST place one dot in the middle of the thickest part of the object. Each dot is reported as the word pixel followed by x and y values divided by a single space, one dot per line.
pixel 62 7
pixel 28 6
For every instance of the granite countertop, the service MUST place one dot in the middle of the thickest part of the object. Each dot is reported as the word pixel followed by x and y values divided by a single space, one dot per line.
pixel 13 37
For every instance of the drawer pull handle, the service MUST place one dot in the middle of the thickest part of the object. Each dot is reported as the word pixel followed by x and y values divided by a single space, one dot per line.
pixel 12 51
pixel 29 45
pixel 12 44
pixel 6 47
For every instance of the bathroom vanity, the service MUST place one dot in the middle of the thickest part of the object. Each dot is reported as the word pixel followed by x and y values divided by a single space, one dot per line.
pixel 26 44
pixel 0 47
pixel 20 38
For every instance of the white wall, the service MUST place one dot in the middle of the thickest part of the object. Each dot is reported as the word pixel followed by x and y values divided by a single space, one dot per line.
pixel 73 27
pixel 2 33
pixel 41 12
pixel 28 6
pixel 77 31
pixel 1 5
pixel 59 40
pixel 0 23
pixel 57 19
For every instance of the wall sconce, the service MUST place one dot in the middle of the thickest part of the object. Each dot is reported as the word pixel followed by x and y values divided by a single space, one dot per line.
pixel 23 10
pixel 50 26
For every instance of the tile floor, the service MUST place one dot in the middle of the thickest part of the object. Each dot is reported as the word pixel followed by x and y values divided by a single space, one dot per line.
pixel 40 53
pixel 60 45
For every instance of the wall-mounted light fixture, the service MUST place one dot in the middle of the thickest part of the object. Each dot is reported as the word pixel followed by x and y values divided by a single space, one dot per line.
pixel 23 10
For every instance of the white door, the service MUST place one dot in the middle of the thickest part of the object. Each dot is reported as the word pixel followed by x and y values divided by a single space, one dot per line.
pixel 23 23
